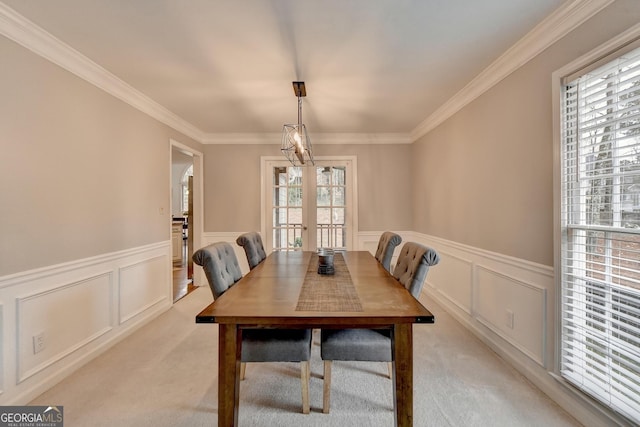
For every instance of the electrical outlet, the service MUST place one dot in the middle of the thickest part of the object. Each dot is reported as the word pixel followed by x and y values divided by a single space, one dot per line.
pixel 39 343
pixel 509 319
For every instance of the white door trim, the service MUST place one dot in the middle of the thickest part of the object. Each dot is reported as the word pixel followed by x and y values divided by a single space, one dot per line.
pixel 351 242
pixel 198 200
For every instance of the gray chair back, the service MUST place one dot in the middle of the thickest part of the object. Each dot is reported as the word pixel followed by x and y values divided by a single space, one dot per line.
pixel 252 244
pixel 220 265
pixel 413 265
pixel 386 246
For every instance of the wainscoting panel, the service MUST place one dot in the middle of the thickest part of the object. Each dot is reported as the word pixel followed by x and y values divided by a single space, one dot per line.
pixel 452 278
pixel 514 310
pixel 64 319
pixel 500 297
pixel 56 318
pixel 141 286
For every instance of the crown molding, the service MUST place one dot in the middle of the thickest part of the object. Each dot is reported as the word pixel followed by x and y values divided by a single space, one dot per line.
pixel 316 138
pixel 24 32
pixel 570 15
pixel 361 138
pixel 266 138
pixel 566 18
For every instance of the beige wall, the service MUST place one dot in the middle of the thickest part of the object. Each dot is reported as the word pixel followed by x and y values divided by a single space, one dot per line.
pixel 485 176
pixel 232 185
pixel 81 172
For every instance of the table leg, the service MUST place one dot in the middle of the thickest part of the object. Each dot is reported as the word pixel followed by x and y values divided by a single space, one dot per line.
pixel 403 374
pixel 229 347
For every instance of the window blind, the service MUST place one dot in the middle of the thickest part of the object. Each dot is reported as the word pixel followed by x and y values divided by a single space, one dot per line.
pixel 600 219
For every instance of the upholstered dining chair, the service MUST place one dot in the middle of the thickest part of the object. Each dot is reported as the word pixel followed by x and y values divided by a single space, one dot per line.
pixel 386 245
pixel 221 267
pixel 374 345
pixel 252 244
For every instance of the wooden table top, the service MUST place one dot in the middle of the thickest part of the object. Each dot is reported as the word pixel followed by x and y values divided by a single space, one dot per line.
pixel 268 296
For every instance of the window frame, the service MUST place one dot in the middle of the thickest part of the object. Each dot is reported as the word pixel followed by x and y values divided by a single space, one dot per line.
pixel 597 57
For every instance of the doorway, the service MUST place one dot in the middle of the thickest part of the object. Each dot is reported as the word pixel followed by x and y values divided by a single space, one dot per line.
pixel 186 216
pixel 309 207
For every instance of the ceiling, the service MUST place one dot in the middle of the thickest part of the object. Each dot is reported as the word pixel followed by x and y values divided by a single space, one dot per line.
pixel 226 66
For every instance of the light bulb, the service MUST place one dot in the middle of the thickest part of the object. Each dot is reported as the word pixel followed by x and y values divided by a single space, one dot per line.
pixel 298 140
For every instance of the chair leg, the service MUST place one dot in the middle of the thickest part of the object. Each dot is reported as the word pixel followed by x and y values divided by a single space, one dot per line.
pixel 390 367
pixel 243 370
pixel 326 387
pixel 305 374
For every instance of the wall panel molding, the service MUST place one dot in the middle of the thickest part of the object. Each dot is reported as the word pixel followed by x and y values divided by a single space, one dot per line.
pixel 457 288
pixel 76 306
pixel 69 316
pixel 497 283
pixel 497 295
pixel 141 286
pixel 479 286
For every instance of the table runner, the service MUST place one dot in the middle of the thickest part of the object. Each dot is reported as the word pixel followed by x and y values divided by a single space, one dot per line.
pixel 323 292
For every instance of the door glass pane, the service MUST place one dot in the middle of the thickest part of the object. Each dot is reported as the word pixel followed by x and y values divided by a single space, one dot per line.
pixel 294 238
pixel 287 211
pixel 330 207
pixel 339 175
pixel 295 175
pixel 323 216
pixel 323 196
pixel 295 216
pixel 280 196
pixel 280 176
pixel 323 175
pixel 338 196
pixel 295 196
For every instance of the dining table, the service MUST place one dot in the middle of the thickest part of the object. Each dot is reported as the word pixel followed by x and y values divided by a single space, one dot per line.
pixel 287 290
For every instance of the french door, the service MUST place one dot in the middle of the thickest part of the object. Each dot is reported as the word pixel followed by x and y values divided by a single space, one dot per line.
pixel 309 207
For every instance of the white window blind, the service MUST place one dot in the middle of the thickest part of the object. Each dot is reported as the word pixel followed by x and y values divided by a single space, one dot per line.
pixel 600 219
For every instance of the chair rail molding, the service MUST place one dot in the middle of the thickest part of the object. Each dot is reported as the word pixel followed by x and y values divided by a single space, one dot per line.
pixel 77 310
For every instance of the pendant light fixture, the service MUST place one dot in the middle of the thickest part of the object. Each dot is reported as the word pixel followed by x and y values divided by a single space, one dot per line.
pixel 296 144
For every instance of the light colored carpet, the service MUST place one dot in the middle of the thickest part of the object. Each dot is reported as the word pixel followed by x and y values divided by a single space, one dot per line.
pixel 165 374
